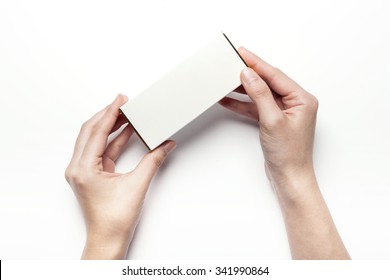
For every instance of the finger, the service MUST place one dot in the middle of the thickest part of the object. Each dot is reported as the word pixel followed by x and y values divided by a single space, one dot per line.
pixel 261 95
pixel 149 165
pixel 274 77
pixel 83 136
pixel 116 146
pixel 99 131
pixel 247 109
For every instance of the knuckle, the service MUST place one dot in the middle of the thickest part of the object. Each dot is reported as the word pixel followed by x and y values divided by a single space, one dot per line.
pixel 78 178
pixel 157 158
pixel 275 122
pixel 112 110
pixel 75 176
pixel 88 126
pixel 68 174
pixel 259 89
pixel 85 125
pixel 92 128
pixel 116 146
pixel 274 73
pixel 313 103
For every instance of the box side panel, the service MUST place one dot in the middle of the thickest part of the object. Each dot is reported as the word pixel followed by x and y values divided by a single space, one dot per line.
pixel 184 93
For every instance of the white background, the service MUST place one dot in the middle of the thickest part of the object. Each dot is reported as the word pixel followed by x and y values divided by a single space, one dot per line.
pixel 61 61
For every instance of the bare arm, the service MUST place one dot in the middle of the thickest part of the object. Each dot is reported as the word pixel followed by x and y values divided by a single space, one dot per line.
pixel 287 116
pixel 311 231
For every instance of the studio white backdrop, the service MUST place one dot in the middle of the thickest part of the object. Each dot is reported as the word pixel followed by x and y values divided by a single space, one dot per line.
pixel 62 61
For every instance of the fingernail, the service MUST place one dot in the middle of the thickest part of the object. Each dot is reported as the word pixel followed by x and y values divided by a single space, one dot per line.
pixel 170 146
pixel 248 74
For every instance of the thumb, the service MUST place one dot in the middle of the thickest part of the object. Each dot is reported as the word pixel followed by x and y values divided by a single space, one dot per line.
pixel 151 162
pixel 261 95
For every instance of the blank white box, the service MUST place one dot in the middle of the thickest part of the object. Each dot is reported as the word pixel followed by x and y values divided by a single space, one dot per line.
pixel 185 92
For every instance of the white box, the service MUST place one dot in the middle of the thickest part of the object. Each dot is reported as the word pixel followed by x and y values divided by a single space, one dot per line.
pixel 185 92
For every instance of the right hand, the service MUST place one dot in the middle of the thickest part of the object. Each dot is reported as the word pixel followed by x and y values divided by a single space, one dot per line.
pixel 287 117
pixel 286 114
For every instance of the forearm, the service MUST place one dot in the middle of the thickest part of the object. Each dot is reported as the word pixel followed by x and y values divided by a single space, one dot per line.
pixel 311 231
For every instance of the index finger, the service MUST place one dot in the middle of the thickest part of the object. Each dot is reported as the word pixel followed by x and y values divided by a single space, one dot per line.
pixel 275 78
pixel 97 141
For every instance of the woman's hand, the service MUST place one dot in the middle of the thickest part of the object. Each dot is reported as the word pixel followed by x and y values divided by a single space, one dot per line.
pixel 111 202
pixel 286 114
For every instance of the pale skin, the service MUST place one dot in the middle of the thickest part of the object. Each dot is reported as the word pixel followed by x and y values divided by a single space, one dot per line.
pixel 286 115
pixel 111 202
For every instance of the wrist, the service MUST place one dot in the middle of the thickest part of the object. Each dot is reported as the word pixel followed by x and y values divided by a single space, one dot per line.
pixel 101 244
pixel 295 184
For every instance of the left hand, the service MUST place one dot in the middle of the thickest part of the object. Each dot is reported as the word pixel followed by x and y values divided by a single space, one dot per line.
pixel 111 202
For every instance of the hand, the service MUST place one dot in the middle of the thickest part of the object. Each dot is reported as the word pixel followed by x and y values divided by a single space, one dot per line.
pixel 286 114
pixel 111 202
